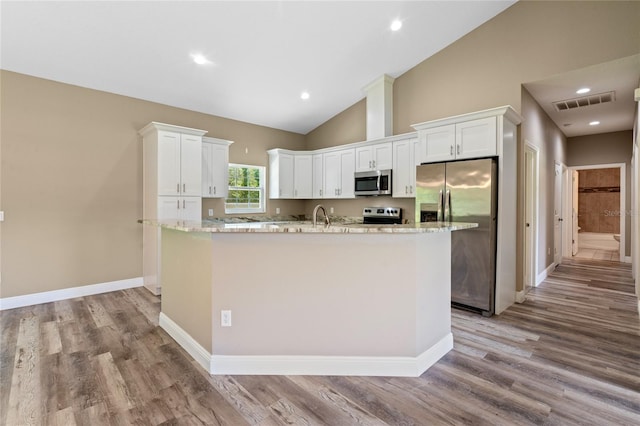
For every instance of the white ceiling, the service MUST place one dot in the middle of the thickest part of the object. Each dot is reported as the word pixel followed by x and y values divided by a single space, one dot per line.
pixel 264 53
pixel 621 76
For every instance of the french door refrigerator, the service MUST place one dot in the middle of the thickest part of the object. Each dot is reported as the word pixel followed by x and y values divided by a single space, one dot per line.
pixel 464 191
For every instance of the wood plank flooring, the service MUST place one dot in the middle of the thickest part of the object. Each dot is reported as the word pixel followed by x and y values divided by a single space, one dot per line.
pixel 569 355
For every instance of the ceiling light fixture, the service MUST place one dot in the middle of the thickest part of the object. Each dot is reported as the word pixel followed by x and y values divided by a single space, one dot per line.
pixel 594 123
pixel 396 25
pixel 200 59
pixel 583 90
pixel 304 96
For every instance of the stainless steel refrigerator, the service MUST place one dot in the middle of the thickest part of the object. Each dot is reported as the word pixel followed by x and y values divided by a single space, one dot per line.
pixel 464 191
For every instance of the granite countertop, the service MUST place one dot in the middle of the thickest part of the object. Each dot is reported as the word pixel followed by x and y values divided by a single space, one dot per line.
pixel 306 227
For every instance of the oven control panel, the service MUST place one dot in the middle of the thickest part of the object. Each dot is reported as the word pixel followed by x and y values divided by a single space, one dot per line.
pixel 380 214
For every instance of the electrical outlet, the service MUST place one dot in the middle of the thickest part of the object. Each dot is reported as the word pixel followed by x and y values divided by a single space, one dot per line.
pixel 225 318
pixel 210 212
pixel 277 210
pixel 330 210
pixel 549 251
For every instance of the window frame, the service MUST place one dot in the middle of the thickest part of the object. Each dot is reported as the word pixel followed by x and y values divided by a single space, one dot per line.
pixel 261 190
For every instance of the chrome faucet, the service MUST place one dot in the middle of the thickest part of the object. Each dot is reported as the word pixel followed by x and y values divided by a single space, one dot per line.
pixel 324 212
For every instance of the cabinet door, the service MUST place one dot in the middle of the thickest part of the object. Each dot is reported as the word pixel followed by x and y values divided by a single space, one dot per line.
pixel 207 169
pixel 281 176
pixel 332 176
pixel 476 138
pixel 382 156
pixel 191 165
pixel 347 170
pixel 364 159
pixel 437 144
pixel 190 208
pixel 318 176
pixel 168 208
pixel 168 163
pixel 404 168
pixel 220 171
pixel 302 175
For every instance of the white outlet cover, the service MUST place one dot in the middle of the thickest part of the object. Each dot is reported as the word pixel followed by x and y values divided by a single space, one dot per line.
pixel 225 318
pixel 1 216
pixel 210 212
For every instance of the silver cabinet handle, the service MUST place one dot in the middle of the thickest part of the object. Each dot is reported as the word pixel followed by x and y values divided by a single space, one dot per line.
pixel 374 164
pixel 458 149
pixel 209 189
pixel 451 150
pixel 410 189
pixel 406 189
pixel 178 187
pixel 215 190
pixel 184 204
pixel 321 192
pixel 178 204
pixel 184 187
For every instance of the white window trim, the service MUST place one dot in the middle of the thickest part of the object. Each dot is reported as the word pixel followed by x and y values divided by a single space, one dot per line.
pixel 261 189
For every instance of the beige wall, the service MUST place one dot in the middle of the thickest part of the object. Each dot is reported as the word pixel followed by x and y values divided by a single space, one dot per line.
pixel 606 148
pixel 541 132
pixel 71 177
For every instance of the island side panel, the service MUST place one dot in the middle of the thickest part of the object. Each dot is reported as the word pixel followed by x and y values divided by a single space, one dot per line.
pixel 186 283
pixel 327 294
pixel 433 301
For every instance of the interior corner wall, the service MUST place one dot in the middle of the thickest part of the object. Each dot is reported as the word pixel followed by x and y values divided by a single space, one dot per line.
pixel 588 150
pixel 71 176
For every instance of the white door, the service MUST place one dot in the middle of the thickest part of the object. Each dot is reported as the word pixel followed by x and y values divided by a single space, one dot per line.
pixel 364 159
pixel 303 175
pixel 557 216
pixel 529 220
pixel 347 174
pixel 190 208
pixel 219 170
pixel 404 170
pixel 318 176
pixel 331 174
pixel 168 208
pixel 476 138
pixel 574 212
pixel 382 156
pixel 207 170
pixel 437 144
pixel 168 163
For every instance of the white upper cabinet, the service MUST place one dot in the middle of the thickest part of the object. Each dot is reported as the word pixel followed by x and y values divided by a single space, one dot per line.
pixel 374 157
pixel 467 139
pixel 437 144
pixel 215 167
pixel 179 164
pixel 404 168
pixel 280 174
pixel 339 168
pixel 303 176
pixel 317 180
pixel 476 138
pixel 191 165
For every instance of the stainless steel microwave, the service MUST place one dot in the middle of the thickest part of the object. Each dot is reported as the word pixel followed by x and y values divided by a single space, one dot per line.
pixel 376 182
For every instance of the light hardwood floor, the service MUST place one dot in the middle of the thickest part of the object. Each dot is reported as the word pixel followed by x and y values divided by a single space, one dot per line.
pixel 569 355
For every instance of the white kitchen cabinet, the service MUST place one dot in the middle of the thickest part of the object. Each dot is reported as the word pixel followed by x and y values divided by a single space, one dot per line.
pixel 172 186
pixel 215 167
pixel 317 179
pixel 374 157
pixel 281 175
pixel 467 139
pixel 404 168
pixel 302 175
pixel 339 169
pixel 181 208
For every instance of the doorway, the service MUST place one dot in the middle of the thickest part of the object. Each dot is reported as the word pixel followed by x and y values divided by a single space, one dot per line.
pixel 598 224
pixel 530 216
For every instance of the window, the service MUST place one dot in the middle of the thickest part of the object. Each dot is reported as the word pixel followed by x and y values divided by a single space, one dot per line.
pixel 246 189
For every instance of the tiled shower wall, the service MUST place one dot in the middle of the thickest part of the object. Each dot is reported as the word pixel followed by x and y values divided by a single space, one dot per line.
pixel 599 200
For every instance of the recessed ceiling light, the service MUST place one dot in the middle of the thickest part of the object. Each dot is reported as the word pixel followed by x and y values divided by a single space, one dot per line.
pixel 583 90
pixel 200 59
pixel 304 95
pixel 594 123
pixel 396 25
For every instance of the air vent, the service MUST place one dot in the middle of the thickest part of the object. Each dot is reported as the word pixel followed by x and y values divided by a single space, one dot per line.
pixel 600 98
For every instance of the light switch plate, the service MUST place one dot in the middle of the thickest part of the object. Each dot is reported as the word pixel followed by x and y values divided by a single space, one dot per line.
pixel 1 216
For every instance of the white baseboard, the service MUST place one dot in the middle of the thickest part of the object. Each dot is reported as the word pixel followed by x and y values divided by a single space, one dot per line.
pixel 544 274
pixel 520 296
pixel 67 293
pixel 307 365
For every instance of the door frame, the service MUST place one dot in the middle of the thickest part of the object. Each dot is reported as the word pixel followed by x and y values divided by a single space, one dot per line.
pixel 559 181
pixel 534 194
pixel 623 199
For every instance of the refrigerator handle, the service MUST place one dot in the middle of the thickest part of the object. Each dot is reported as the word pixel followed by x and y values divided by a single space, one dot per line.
pixel 447 206
pixel 440 213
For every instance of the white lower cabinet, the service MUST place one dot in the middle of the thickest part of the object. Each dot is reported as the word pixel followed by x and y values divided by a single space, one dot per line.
pixel 404 168
pixel 339 170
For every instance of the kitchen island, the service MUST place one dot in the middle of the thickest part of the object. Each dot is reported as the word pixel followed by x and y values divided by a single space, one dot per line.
pixel 304 299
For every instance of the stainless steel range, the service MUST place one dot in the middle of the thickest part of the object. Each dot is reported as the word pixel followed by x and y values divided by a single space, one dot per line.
pixel 382 215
